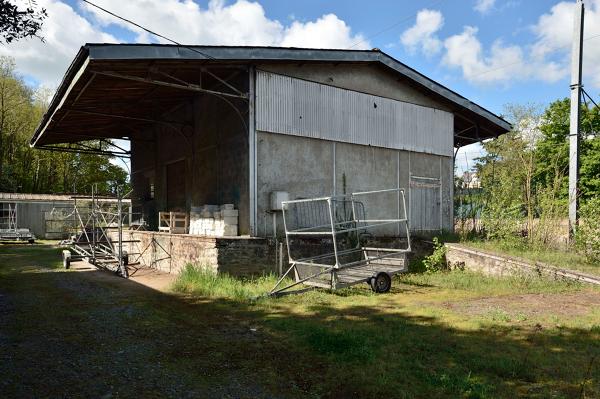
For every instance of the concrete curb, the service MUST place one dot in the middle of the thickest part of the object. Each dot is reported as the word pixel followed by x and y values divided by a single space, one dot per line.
pixel 490 263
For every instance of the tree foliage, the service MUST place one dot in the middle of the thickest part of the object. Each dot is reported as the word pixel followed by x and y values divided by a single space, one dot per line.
pixel 18 23
pixel 23 169
pixel 525 173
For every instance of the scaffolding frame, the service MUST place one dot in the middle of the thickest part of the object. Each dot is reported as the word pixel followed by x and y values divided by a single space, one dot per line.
pixel 345 217
pixel 92 241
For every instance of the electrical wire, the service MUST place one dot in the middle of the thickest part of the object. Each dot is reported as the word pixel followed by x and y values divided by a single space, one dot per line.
pixel 146 29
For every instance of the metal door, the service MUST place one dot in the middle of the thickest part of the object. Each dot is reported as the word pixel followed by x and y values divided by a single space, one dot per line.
pixel 425 204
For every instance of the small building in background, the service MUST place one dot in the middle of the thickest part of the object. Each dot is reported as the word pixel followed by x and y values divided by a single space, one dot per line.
pixel 470 180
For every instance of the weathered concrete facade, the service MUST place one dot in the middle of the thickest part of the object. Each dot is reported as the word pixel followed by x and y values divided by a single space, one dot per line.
pixel 308 167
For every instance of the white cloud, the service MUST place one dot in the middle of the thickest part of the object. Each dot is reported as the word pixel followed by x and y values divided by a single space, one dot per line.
pixel 547 59
pixel 240 23
pixel 326 32
pixel 64 32
pixel 484 6
pixel 423 33
pixel 502 63
pixel 554 30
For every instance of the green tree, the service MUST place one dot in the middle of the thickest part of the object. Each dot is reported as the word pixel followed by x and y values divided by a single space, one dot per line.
pixel 23 169
pixel 552 150
pixel 20 22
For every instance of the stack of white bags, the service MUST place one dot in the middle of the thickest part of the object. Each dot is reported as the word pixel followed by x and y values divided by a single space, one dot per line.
pixel 214 220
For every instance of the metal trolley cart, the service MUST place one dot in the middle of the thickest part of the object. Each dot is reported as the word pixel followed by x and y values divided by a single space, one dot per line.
pixel 360 237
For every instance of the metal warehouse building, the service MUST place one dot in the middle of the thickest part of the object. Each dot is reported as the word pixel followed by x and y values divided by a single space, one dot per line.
pixel 231 125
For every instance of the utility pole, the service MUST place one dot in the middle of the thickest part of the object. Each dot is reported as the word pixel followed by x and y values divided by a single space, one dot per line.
pixel 575 120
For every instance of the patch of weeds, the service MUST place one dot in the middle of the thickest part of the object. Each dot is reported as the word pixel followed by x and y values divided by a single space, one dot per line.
pixel 521 317
pixel 466 386
pixel 514 368
pixel 499 315
pixel 480 283
pixel 202 281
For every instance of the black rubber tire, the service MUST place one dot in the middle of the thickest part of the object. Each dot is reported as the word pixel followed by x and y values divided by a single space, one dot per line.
pixel 381 283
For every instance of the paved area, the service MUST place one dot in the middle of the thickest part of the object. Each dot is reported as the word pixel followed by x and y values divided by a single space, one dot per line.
pixel 90 334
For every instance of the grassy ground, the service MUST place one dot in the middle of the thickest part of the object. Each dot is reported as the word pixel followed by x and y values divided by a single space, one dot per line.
pixel 443 335
pixel 567 260
pixel 436 335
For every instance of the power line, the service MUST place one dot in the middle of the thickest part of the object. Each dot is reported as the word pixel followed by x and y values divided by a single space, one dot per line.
pixel 146 29
pixel 395 24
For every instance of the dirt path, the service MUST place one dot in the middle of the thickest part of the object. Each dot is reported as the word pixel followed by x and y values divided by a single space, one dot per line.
pixel 91 334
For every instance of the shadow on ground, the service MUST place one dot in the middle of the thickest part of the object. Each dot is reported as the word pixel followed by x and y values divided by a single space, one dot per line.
pixel 91 334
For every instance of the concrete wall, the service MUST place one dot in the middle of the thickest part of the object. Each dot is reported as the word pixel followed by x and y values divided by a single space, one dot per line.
pixel 310 167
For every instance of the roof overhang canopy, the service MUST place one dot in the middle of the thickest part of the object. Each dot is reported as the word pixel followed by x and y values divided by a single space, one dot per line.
pixel 110 90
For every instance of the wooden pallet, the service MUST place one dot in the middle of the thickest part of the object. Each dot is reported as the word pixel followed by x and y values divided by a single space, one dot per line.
pixel 173 222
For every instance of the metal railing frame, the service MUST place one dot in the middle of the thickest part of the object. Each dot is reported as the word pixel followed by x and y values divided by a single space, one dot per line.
pixel 332 230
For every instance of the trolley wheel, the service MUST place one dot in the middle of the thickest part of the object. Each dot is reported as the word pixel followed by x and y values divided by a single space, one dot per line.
pixel 31 241
pixel 380 283
pixel 66 255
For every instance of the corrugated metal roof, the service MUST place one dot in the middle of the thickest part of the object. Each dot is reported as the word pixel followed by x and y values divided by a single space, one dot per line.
pixel 33 197
pixel 298 107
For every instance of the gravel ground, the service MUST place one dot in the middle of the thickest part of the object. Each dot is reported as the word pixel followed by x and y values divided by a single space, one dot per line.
pixel 69 334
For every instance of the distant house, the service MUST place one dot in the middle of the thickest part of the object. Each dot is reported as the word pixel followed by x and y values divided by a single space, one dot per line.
pixel 470 180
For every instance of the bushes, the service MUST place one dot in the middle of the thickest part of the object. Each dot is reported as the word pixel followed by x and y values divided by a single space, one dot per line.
pixel 588 233
pixel 437 260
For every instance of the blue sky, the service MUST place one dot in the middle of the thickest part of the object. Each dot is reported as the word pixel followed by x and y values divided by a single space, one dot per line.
pixel 493 52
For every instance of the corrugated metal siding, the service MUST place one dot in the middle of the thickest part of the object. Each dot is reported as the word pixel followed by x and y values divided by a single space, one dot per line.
pixel 298 107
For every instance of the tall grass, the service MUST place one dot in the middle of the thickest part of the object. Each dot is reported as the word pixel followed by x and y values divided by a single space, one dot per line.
pixel 202 281
pixel 479 283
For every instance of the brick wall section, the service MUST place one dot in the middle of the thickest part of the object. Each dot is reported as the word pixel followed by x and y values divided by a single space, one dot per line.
pixel 239 256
